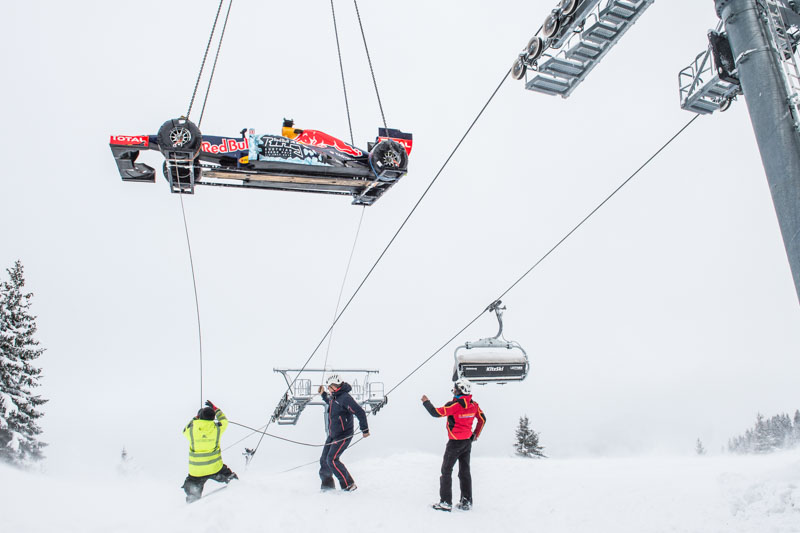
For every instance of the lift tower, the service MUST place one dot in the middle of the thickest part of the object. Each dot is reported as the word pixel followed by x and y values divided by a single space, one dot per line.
pixel 763 37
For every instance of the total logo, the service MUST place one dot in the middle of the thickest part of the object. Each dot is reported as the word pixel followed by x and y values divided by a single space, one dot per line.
pixel 130 140
pixel 405 143
pixel 227 145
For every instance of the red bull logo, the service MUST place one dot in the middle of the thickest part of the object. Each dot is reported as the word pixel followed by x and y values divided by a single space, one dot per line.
pixel 130 140
pixel 226 146
pixel 323 140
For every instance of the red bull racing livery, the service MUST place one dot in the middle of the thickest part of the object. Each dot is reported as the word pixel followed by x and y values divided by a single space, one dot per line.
pixel 299 160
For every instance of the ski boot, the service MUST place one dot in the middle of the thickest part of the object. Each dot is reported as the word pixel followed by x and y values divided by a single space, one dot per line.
pixel 443 506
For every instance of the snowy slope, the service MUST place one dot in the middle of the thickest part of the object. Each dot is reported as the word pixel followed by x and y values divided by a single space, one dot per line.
pixel 623 495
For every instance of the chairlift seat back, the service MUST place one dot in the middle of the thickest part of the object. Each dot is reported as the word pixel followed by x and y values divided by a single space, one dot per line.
pixel 491 361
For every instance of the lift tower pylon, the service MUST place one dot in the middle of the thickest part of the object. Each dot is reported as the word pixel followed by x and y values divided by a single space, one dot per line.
pixel 767 70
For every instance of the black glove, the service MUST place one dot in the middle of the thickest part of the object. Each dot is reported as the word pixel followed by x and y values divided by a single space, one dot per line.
pixel 211 405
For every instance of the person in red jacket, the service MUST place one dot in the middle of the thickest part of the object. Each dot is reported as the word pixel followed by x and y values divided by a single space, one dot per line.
pixel 461 413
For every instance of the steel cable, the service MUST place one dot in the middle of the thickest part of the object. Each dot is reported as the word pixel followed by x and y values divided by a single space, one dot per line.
pixel 371 70
pixel 205 56
pixel 196 299
pixel 341 68
pixel 214 68
pixel 394 237
pixel 551 250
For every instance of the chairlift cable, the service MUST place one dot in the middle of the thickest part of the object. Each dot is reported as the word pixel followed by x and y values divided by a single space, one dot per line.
pixel 550 251
pixel 369 60
pixel 205 56
pixel 341 68
pixel 591 213
pixel 601 204
pixel 214 68
pixel 442 347
pixel 394 237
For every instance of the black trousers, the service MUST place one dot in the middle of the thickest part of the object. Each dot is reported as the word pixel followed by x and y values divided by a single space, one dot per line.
pixel 193 486
pixel 456 450
pixel 330 463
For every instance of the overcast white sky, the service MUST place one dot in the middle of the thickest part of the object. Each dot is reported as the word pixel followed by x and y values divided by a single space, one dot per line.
pixel 670 316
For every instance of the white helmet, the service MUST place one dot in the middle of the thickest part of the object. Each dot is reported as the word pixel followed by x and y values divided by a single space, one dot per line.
pixel 333 379
pixel 464 385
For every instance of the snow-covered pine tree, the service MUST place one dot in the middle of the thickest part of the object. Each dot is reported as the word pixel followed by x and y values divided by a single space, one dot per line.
pixel 764 439
pixel 698 447
pixel 18 376
pixel 796 428
pixel 527 444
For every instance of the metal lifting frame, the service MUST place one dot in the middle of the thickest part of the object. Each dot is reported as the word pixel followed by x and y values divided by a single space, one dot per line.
pixel 301 392
pixel 560 72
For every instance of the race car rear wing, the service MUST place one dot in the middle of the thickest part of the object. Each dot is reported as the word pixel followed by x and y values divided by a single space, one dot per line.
pixel 406 139
pixel 126 149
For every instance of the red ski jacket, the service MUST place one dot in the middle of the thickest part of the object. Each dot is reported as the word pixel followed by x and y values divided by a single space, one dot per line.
pixel 461 411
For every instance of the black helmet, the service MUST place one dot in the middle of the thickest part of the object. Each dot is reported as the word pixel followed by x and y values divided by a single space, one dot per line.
pixel 206 413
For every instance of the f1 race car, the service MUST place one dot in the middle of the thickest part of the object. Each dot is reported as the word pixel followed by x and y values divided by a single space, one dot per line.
pixel 298 160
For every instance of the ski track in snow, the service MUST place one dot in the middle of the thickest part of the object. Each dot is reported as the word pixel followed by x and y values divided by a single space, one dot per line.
pixel 731 494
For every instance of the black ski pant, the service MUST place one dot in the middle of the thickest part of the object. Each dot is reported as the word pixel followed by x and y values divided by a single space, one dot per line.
pixel 330 463
pixel 456 450
pixel 193 486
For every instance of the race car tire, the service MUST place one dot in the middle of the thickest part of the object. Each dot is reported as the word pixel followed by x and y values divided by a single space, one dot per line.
pixel 388 155
pixel 179 135
pixel 518 70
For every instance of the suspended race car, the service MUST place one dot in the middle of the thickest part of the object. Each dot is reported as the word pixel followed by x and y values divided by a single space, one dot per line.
pixel 298 160
pixel 491 360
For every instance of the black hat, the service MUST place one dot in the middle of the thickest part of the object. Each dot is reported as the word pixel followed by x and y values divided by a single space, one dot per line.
pixel 206 413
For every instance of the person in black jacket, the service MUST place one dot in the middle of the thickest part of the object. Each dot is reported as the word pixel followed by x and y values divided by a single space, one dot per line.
pixel 339 421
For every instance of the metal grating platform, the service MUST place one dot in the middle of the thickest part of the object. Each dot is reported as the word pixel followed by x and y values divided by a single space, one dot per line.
pixel 561 72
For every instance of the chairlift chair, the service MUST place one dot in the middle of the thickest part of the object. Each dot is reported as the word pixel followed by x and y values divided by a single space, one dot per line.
pixel 493 359
pixel 301 393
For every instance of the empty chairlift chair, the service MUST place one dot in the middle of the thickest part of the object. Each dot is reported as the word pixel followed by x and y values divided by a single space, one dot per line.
pixel 491 360
pixel 301 392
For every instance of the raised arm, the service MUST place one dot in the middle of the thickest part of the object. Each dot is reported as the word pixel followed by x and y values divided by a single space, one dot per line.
pixel 446 410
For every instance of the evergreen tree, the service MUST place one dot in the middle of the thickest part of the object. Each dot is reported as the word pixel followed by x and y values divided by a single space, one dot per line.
pixel 796 428
pixel 527 444
pixel 18 376
pixel 764 438
pixel 698 447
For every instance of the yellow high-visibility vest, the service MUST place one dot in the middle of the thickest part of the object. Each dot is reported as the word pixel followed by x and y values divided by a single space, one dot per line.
pixel 205 456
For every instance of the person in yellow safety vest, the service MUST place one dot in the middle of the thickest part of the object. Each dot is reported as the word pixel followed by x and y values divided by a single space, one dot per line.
pixel 205 457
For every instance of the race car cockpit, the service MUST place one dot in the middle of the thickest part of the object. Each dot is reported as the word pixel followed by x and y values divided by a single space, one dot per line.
pixel 298 160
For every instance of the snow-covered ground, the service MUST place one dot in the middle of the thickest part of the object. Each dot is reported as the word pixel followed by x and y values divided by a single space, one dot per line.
pixel 727 494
